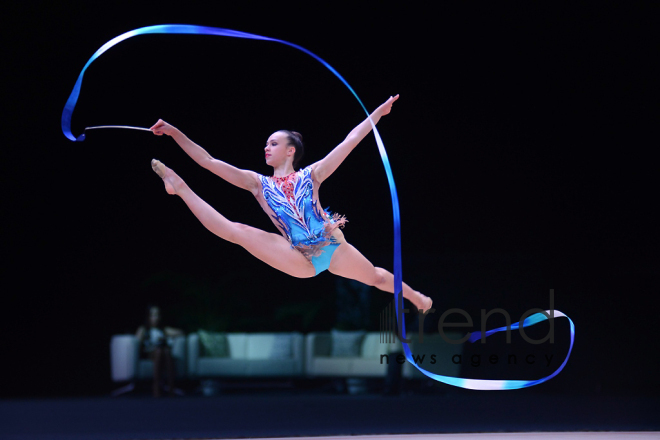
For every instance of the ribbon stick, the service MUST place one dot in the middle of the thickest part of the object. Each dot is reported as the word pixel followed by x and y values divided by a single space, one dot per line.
pixel 126 127
pixel 398 283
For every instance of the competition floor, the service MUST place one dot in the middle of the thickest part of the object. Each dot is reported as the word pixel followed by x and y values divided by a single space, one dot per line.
pixel 458 415
pixel 496 436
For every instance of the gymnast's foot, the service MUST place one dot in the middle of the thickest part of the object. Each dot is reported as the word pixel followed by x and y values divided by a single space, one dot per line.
pixel 170 178
pixel 424 303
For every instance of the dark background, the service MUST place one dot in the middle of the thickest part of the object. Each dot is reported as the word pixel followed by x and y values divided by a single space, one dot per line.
pixel 521 148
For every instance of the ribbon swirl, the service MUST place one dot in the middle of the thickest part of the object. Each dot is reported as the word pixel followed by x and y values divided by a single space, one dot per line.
pixel 398 283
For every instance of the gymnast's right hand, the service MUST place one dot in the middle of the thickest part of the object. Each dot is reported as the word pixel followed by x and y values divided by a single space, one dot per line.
pixel 161 127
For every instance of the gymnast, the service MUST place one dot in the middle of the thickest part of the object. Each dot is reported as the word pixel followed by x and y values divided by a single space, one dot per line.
pixel 310 240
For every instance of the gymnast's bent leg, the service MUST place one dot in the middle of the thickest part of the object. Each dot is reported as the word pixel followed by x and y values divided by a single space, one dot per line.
pixel 272 249
pixel 348 262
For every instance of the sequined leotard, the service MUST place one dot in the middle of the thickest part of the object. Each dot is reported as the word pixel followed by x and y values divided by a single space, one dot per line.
pixel 305 225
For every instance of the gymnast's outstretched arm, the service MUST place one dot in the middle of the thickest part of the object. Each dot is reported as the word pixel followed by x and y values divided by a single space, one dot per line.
pixel 326 166
pixel 244 179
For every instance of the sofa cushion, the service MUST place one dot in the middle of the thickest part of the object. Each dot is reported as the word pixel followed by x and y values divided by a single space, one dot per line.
pixel 376 344
pixel 213 344
pixel 372 346
pixel 346 343
pixel 259 346
pixel 238 343
pixel 282 347
pixel 269 346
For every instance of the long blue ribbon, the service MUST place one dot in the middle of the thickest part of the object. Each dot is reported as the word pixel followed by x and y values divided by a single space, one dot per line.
pixel 175 29
pixel 398 283
pixel 489 384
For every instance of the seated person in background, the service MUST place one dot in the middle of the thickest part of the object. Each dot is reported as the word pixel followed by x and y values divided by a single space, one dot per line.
pixel 155 343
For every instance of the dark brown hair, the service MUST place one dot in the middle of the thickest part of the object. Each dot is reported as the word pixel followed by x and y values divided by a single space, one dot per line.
pixel 295 139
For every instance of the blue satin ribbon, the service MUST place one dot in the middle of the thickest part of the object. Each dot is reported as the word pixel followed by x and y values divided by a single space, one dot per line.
pixel 398 283
pixel 175 29
pixel 489 384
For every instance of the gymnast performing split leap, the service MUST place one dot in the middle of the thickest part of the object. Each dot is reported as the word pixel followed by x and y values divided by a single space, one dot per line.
pixel 310 240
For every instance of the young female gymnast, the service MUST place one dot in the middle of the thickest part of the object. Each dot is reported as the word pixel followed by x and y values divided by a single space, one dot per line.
pixel 310 240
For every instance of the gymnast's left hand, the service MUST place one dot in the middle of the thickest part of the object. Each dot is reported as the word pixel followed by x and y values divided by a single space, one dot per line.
pixel 386 108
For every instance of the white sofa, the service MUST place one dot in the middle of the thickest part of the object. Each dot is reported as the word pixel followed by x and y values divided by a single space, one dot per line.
pixel 360 356
pixel 372 353
pixel 248 355
pixel 126 365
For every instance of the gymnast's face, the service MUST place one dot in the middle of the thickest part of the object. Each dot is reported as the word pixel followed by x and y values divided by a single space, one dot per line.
pixel 278 149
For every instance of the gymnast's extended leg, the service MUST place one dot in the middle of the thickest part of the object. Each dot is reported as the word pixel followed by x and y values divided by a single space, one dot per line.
pixel 272 249
pixel 348 262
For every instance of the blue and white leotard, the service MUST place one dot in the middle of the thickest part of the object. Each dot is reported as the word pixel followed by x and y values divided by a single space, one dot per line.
pixel 298 216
